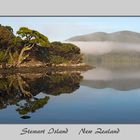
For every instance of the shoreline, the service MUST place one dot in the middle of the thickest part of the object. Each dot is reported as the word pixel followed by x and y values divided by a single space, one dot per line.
pixel 45 69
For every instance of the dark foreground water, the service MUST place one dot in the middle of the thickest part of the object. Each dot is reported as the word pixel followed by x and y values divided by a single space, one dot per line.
pixel 98 96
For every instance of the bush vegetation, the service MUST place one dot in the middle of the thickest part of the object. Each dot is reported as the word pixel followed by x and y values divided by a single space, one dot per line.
pixel 30 45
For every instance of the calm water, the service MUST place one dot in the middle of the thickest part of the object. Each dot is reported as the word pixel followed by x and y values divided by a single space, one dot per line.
pixel 99 95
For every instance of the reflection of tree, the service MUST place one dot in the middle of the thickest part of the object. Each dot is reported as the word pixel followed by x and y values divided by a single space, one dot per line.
pixel 55 84
pixel 21 84
pixel 23 87
pixel 32 106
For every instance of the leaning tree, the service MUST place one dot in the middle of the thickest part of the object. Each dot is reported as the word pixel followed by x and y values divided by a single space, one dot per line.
pixel 30 38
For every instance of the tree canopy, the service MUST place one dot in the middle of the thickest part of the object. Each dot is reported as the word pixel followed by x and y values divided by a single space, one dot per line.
pixel 6 37
pixel 32 37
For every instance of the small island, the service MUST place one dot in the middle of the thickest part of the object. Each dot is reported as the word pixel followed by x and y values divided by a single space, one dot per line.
pixel 30 51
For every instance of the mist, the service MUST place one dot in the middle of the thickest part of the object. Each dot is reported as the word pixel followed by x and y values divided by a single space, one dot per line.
pixel 99 48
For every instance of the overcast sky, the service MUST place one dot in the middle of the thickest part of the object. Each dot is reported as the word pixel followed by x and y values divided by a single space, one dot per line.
pixel 62 28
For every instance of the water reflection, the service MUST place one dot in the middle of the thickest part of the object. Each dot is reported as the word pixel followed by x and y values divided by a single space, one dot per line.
pixel 22 90
pixel 122 79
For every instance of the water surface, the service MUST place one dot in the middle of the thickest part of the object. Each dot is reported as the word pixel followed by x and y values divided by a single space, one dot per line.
pixel 98 96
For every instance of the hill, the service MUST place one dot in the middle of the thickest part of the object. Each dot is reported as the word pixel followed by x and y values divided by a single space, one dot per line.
pixel 121 36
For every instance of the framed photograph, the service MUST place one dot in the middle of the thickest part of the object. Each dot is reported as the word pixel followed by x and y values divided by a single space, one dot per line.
pixel 69 75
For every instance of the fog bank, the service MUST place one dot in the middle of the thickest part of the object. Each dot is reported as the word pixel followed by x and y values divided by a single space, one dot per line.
pixel 99 48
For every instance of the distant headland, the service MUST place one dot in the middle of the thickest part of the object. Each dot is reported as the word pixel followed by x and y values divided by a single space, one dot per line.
pixel 120 36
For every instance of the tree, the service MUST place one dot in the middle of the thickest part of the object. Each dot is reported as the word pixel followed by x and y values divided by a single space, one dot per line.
pixel 30 38
pixel 6 37
pixel 6 43
pixel 64 53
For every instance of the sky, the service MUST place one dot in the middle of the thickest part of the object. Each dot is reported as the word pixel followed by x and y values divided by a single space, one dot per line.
pixel 62 28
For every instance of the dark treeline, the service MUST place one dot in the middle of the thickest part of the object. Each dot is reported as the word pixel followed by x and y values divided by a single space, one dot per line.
pixel 29 47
